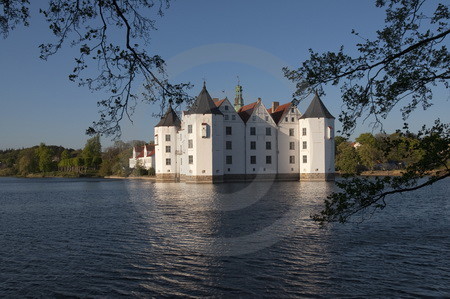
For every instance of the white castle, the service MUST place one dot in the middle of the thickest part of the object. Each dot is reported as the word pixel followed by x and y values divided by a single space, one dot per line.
pixel 216 142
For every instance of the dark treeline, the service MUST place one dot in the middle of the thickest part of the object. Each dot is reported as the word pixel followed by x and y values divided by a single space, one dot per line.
pixel 50 160
pixel 377 152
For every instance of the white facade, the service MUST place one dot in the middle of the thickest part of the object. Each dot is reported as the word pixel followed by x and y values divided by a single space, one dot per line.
pixel 144 156
pixel 213 142
pixel 166 146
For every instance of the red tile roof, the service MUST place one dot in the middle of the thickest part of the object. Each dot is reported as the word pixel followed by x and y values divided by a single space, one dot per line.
pixel 247 110
pixel 140 150
pixel 218 103
pixel 279 112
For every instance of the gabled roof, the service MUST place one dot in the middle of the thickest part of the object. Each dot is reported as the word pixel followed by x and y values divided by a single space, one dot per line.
pixel 246 111
pixel 169 119
pixel 316 109
pixel 204 104
pixel 218 103
pixel 279 112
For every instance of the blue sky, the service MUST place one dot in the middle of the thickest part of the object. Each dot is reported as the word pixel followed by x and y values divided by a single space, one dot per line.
pixel 215 40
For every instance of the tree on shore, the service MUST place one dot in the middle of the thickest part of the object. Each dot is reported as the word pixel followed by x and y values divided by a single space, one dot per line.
pixel 27 161
pixel 408 57
pixel 44 156
pixel 347 159
pixel 92 153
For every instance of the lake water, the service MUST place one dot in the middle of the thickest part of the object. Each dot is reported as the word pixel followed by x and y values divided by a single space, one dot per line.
pixel 95 237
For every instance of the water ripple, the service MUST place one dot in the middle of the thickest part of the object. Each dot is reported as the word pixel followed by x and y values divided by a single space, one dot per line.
pixel 104 238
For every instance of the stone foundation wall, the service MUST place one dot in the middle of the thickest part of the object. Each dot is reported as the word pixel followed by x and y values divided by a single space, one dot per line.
pixel 208 179
pixel 234 177
pixel 166 177
pixel 203 179
pixel 288 177
pixel 317 177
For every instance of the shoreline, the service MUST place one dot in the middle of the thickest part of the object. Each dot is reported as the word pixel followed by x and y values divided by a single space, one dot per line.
pixel 153 178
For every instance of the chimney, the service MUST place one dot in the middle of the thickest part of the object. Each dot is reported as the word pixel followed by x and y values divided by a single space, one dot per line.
pixel 275 106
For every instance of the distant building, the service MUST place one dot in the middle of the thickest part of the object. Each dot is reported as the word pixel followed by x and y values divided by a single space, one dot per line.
pixel 215 141
pixel 143 156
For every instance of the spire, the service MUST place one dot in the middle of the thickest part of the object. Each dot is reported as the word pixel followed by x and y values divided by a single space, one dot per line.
pixel 316 109
pixel 238 100
pixel 204 104
pixel 170 119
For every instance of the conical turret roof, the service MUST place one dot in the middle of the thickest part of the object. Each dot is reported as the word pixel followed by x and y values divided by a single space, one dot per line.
pixel 316 109
pixel 204 104
pixel 170 119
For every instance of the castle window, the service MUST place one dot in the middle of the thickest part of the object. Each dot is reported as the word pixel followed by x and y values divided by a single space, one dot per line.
pixel 268 159
pixel 305 159
pixel 226 107
pixel 286 119
pixel 228 145
pixel 252 145
pixel 189 129
pixel 292 145
pixel 293 110
pixel 304 131
pixel 305 145
pixel 191 159
pixel 268 131
pixel 229 159
pixel 226 117
pixel 292 119
pixel 291 159
pixel 168 162
pixel 330 132
pixel 167 148
pixel 228 130
pixel 252 159
pixel 190 143
pixel 205 130
pixel 167 137
pixel 252 130
pixel 268 145
pixel 233 117
pixel 291 132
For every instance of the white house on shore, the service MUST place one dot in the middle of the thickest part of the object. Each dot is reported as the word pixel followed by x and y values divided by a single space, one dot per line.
pixel 216 141
pixel 143 156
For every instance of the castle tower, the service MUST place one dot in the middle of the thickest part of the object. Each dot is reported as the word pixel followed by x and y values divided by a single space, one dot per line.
pixel 316 127
pixel 204 133
pixel 238 100
pixel 166 146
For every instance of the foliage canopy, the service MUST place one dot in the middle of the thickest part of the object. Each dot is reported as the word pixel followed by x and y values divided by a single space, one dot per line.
pixel 407 59
pixel 121 64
